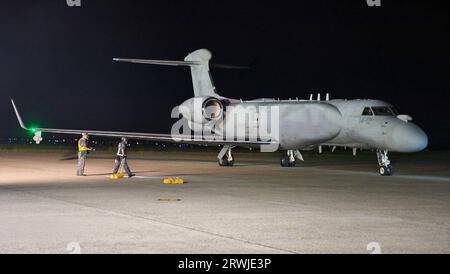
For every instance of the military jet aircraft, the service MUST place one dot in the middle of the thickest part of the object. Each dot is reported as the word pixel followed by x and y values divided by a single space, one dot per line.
pixel 301 124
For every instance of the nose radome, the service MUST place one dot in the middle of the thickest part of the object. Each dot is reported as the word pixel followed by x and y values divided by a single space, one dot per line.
pixel 407 137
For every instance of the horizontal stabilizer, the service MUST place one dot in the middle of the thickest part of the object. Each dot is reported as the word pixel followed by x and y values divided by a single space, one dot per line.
pixel 176 63
pixel 158 62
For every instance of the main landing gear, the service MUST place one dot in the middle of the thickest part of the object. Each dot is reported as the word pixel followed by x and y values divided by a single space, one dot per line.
pixel 385 164
pixel 289 159
pixel 225 157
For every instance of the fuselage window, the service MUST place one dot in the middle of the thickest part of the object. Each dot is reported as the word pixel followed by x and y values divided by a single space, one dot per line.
pixel 367 112
pixel 382 111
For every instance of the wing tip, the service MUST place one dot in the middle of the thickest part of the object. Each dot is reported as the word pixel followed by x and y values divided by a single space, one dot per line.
pixel 22 125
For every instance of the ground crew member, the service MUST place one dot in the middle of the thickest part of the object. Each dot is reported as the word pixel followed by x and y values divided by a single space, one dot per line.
pixel 82 153
pixel 121 158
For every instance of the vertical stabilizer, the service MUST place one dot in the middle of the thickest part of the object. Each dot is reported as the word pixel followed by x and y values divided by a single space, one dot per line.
pixel 201 76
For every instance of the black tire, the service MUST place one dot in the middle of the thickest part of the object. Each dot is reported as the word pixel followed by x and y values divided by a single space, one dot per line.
pixel 223 161
pixel 382 170
pixel 284 161
pixel 389 170
pixel 231 163
pixel 386 170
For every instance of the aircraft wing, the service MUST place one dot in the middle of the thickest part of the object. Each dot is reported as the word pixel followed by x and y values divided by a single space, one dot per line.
pixel 187 139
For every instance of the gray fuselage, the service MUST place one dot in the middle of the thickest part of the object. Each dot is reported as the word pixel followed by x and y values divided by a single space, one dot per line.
pixel 304 124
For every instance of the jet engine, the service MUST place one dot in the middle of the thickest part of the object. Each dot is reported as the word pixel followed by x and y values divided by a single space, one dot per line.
pixel 202 110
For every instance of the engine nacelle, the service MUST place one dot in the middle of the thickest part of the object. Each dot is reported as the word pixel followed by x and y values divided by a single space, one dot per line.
pixel 202 110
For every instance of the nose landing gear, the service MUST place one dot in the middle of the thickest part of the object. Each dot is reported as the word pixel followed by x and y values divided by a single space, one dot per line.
pixel 385 164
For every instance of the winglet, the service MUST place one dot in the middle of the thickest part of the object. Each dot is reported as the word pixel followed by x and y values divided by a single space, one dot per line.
pixel 22 125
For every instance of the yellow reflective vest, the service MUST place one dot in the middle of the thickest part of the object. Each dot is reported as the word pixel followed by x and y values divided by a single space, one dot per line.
pixel 82 145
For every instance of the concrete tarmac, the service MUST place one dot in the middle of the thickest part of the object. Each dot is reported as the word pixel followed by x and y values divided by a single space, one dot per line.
pixel 332 203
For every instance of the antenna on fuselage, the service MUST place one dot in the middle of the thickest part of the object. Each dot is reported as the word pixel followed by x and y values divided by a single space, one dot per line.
pixel 318 96
pixel 311 97
pixel 327 97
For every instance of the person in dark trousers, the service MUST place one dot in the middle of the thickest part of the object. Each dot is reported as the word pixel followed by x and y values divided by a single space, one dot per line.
pixel 121 158
pixel 83 150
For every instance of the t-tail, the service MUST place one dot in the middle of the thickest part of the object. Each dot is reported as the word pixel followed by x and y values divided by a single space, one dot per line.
pixel 198 61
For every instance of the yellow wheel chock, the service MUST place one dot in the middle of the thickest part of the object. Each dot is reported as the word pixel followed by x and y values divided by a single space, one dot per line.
pixel 173 181
pixel 117 175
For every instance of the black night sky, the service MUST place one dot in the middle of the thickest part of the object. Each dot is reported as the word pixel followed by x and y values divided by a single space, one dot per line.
pixel 56 61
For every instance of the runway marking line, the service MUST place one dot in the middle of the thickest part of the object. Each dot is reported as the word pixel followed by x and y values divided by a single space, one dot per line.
pixel 169 199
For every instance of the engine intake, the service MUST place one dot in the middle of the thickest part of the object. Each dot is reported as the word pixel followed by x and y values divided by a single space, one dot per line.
pixel 212 109
pixel 202 110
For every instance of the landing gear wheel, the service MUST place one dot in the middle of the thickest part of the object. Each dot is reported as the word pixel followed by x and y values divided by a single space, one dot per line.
pixel 231 163
pixel 390 170
pixel 384 163
pixel 225 162
pixel 292 164
pixel 382 170
pixel 285 162
pixel 386 170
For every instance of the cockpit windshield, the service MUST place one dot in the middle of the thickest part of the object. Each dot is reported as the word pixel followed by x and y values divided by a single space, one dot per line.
pixel 394 110
pixel 380 111
pixel 367 111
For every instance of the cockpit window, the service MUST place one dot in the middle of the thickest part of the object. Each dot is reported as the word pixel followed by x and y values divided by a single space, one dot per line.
pixel 395 111
pixel 383 111
pixel 367 112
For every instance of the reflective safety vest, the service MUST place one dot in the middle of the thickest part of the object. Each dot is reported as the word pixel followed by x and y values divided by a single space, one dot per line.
pixel 82 145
